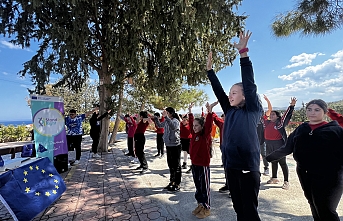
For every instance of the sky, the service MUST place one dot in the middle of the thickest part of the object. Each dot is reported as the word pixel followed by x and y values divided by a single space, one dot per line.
pixel 297 66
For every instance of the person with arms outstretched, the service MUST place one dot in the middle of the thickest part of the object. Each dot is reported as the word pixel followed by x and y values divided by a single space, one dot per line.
pixel 317 147
pixel 275 137
pixel 241 150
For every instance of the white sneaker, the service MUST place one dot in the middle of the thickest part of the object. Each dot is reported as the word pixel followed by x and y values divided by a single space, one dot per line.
pixel 135 160
pixel 76 162
pixel 95 155
pixel 266 172
pixel 285 185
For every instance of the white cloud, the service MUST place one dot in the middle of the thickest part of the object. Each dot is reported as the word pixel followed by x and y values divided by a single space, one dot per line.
pixel 4 73
pixel 324 81
pixel 10 45
pixel 302 59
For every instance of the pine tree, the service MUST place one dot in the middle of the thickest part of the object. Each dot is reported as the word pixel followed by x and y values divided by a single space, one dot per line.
pixel 314 17
pixel 159 42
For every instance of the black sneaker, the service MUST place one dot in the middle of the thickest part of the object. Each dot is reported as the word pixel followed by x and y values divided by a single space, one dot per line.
pixel 174 188
pixel 128 154
pixel 144 170
pixel 157 155
pixel 168 186
pixel 184 165
pixel 139 168
pixel 162 155
pixel 224 189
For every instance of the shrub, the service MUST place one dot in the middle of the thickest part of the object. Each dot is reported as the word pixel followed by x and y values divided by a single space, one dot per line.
pixel 11 133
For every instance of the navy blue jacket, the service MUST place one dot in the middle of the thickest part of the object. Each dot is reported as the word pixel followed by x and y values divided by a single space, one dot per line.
pixel 240 147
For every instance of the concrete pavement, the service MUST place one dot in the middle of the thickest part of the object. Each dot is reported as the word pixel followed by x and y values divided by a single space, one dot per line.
pixel 109 189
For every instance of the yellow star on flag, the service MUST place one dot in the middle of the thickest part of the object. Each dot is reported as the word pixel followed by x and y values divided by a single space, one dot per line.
pixel 57 187
pixel 25 180
pixel 31 168
pixel 56 181
pixel 43 171
pixel 37 167
pixel 27 189
pixel 54 192
pixel 37 193
pixel 25 172
pixel 47 194
pixel 50 175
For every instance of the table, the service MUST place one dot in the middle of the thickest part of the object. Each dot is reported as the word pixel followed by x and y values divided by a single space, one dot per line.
pixel 14 147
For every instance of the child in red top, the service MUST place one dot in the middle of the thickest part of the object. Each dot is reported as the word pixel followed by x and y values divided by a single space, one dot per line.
pixel 140 140
pixel 200 152
pixel 159 138
pixel 185 136
pixel 131 129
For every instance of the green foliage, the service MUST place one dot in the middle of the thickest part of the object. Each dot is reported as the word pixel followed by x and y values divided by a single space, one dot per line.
pixel 11 133
pixel 82 100
pixel 122 126
pixel 86 128
pixel 155 41
pixel 179 97
pixel 310 18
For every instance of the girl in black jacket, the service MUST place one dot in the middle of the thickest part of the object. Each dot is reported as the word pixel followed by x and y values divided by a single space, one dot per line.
pixel 94 122
pixel 317 147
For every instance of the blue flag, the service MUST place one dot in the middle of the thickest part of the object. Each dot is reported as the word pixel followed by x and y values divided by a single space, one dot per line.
pixel 30 189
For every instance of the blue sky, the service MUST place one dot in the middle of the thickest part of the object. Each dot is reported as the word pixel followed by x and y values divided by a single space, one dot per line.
pixel 304 67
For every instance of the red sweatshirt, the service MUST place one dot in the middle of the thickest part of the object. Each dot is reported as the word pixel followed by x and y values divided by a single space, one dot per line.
pixel 335 116
pixel 220 124
pixel 131 127
pixel 141 127
pixel 201 142
pixel 159 130
pixel 185 131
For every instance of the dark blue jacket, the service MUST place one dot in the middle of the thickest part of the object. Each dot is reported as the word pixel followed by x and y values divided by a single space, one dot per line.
pixel 240 147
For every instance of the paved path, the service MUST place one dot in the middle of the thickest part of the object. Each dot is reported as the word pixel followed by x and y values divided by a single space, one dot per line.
pixel 108 189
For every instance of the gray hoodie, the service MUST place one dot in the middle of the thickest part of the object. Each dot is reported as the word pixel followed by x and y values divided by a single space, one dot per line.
pixel 171 136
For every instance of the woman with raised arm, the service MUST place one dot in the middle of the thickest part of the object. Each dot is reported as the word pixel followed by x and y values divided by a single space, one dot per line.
pixel 317 147
pixel 275 137
pixel 241 151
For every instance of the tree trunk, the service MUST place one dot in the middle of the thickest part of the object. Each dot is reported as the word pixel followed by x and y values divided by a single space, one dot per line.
pixel 116 124
pixel 104 93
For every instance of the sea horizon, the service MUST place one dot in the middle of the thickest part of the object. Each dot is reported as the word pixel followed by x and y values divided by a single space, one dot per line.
pixel 15 122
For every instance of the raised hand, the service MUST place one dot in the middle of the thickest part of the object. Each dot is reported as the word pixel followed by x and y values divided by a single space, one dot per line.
pixel 265 97
pixel 209 61
pixel 243 40
pixel 164 113
pixel 190 107
pixel 293 101
pixel 210 106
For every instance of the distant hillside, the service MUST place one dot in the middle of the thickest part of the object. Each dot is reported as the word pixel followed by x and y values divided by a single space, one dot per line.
pixel 335 103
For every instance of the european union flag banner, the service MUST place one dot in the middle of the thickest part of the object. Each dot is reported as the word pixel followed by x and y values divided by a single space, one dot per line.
pixel 30 189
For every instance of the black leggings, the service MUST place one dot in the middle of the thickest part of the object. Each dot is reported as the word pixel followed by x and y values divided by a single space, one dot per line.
pixel 95 138
pixel 271 146
pixel 173 160
pixel 74 142
pixel 139 149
